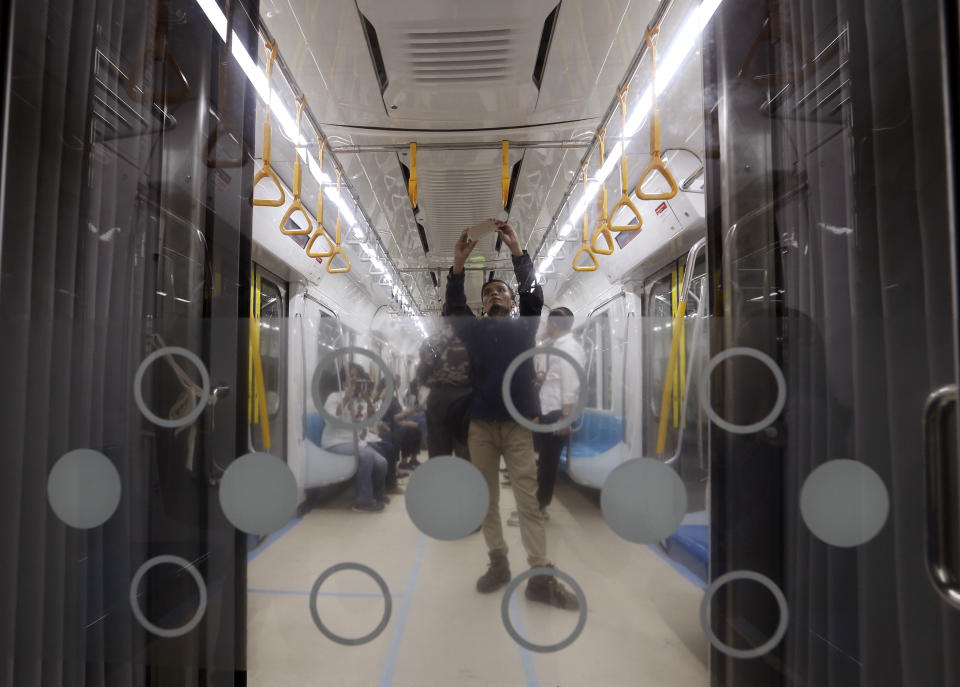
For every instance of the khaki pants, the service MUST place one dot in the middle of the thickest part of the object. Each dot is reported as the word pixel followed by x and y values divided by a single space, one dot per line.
pixel 488 441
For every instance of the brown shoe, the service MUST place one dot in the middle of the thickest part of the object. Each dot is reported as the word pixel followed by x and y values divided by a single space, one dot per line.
pixel 548 589
pixel 497 575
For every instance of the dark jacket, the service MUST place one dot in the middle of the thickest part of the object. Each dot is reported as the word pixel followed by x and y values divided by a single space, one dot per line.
pixel 493 343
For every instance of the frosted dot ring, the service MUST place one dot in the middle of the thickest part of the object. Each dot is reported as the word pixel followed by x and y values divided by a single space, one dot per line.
pixel 190 417
pixel 512 408
pixel 387 604
pixel 755 577
pixel 337 422
pixel 517 637
pixel 704 388
pixel 135 604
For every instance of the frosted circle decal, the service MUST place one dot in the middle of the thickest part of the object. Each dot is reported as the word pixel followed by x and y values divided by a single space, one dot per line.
pixel 767 420
pixel 844 503
pixel 258 493
pixel 204 394
pixel 781 603
pixel 83 488
pixel 447 498
pixel 517 637
pixel 333 420
pixel 643 500
pixel 135 603
pixel 387 604
pixel 512 408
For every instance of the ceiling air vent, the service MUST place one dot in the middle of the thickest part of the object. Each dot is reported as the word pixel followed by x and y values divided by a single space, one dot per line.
pixel 376 55
pixel 546 37
pixel 448 57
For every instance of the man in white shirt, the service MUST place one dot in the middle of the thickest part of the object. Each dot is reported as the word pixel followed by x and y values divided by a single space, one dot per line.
pixel 560 387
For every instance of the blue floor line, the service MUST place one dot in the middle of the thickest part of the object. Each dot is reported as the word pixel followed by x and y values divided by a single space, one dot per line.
pixel 393 652
pixel 525 656
pixel 358 595
pixel 272 538
pixel 679 568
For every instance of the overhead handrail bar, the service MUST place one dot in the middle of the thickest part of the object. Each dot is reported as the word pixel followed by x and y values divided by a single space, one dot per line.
pixel 161 48
pixel 412 185
pixel 603 227
pixel 585 237
pixel 624 175
pixel 337 250
pixel 566 144
pixel 296 205
pixel 320 231
pixel 656 162
pixel 675 341
pixel 266 171
pixel 504 173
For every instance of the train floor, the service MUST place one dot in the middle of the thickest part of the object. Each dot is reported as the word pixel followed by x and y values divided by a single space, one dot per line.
pixel 642 624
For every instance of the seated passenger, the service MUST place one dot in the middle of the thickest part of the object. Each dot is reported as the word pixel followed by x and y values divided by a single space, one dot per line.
pixel 405 433
pixel 493 342
pixel 349 405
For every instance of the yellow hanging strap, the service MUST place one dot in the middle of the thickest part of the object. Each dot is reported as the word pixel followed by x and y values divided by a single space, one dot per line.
pixel 259 391
pixel 296 205
pixel 656 164
pixel 337 250
pixel 412 187
pixel 266 171
pixel 603 228
pixel 668 383
pixel 624 176
pixel 585 238
pixel 504 173
pixel 320 232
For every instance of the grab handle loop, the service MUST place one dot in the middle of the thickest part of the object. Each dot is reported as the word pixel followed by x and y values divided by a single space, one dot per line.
pixel 504 173
pixel 337 250
pixel 296 205
pixel 266 171
pixel 320 232
pixel 412 186
pixel 603 227
pixel 585 239
pixel 624 176
pixel 656 163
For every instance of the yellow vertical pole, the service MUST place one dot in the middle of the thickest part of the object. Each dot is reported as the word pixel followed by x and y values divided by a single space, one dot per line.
pixel 682 365
pixel 672 370
pixel 250 380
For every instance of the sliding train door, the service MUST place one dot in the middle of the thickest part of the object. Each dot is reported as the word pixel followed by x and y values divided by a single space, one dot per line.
pixel 124 255
pixel 832 391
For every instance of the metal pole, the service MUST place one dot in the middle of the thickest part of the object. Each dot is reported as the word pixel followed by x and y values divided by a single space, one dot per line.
pixel 471 145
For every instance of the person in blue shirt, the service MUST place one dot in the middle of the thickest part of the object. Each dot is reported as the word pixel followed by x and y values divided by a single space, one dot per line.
pixel 493 341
